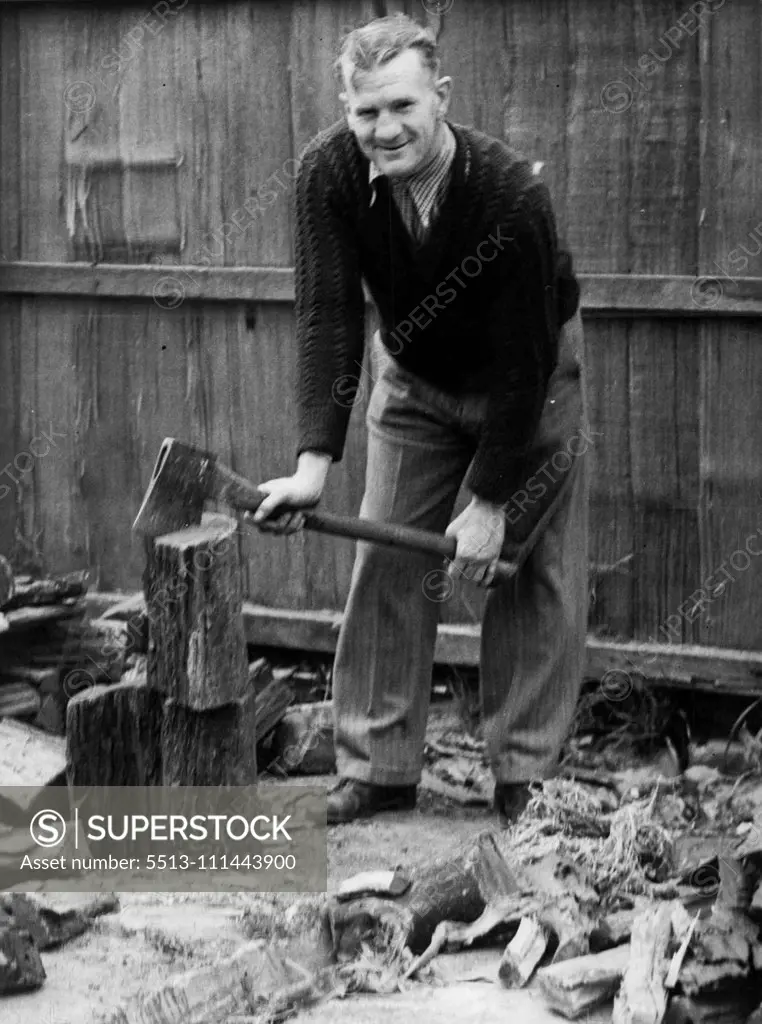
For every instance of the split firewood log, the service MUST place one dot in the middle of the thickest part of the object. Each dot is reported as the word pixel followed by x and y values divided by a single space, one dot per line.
pixel 642 998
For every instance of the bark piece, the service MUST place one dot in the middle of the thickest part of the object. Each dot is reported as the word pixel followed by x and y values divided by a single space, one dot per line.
pixel 523 953
pixel 196 648
pixel 210 993
pixel 458 889
pixel 570 904
pixel 730 1007
pixel 501 912
pixel 51 590
pixel 113 735
pixel 575 986
pixel 373 883
pixel 29 758
pixel 209 748
pixel 642 998
pixel 21 968
pixel 49 925
pixel 613 929
pixel 303 741
pixel 723 952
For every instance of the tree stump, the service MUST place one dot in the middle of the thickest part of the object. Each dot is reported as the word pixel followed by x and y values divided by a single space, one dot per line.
pixel 196 646
pixel 113 736
pixel 209 748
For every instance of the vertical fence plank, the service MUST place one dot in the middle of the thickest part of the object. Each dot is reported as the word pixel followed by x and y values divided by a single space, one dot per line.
pixel 599 169
pixel 475 48
pixel 92 218
pixel 258 184
pixel 202 106
pixel 664 440
pixel 731 355
pixel 43 107
pixel 10 137
pixel 536 125
pixel 148 125
pixel 611 514
pixel 10 414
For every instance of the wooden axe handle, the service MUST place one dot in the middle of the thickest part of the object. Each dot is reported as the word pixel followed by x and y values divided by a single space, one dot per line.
pixel 240 493
pixel 394 536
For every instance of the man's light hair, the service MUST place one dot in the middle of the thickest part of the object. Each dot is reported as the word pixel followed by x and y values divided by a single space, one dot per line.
pixel 383 39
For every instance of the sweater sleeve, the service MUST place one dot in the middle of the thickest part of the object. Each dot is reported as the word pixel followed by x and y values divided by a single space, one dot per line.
pixel 330 309
pixel 528 354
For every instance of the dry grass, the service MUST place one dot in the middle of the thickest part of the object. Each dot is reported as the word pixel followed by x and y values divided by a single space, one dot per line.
pixel 624 852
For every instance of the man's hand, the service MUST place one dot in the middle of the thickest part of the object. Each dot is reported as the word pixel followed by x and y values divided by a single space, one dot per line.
pixel 479 531
pixel 302 490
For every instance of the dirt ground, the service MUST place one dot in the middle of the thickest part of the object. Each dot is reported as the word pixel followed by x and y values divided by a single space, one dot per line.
pixel 155 935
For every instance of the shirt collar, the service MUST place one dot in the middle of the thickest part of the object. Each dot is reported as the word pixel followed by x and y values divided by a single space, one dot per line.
pixel 426 182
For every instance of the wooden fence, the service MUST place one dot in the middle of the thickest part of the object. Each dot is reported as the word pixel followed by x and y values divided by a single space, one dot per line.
pixel 135 139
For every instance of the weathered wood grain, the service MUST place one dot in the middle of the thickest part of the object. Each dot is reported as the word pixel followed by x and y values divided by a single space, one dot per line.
pixel 257 187
pixel 536 43
pixel 663 209
pixel 663 371
pixel 113 736
pixel 148 99
pixel 603 295
pixel 607 347
pixel 731 251
pixel 209 748
pixel 599 167
pixel 196 648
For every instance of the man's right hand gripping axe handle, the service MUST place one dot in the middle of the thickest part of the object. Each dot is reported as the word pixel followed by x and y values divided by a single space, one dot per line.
pixel 184 477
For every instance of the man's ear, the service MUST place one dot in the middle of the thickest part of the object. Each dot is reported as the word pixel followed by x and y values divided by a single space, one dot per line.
pixel 443 88
pixel 344 100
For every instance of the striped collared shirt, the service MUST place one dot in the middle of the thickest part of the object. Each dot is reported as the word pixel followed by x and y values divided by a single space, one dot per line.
pixel 421 194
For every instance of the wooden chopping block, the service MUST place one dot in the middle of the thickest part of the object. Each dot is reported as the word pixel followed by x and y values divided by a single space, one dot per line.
pixel 209 748
pixel 196 646
pixel 113 735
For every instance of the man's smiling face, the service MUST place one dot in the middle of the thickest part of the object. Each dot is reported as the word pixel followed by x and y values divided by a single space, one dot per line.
pixel 395 112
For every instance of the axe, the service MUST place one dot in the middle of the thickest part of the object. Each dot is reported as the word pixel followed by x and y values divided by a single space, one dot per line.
pixel 185 477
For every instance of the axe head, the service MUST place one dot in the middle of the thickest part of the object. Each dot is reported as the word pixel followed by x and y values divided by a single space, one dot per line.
pixel 182 480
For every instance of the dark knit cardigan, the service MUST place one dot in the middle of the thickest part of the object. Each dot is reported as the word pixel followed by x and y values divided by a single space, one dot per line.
pixel 476 308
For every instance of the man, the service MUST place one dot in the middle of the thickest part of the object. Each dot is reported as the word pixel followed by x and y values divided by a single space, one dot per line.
pixel 475 382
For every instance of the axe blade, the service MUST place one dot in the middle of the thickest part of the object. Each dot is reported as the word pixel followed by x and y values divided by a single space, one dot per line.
pixel 181 482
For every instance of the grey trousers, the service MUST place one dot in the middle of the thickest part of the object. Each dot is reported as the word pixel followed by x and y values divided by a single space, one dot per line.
pixel 420 444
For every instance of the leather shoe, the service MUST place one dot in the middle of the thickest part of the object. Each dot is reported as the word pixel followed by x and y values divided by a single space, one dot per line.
pixel 351 799
pixel 510 800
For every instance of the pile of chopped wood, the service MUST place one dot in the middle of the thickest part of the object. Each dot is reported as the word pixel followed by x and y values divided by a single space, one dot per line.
pixel 676 952
pixel 50 649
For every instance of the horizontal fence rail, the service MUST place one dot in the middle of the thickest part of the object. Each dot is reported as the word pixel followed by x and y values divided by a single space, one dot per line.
pixel 169 285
